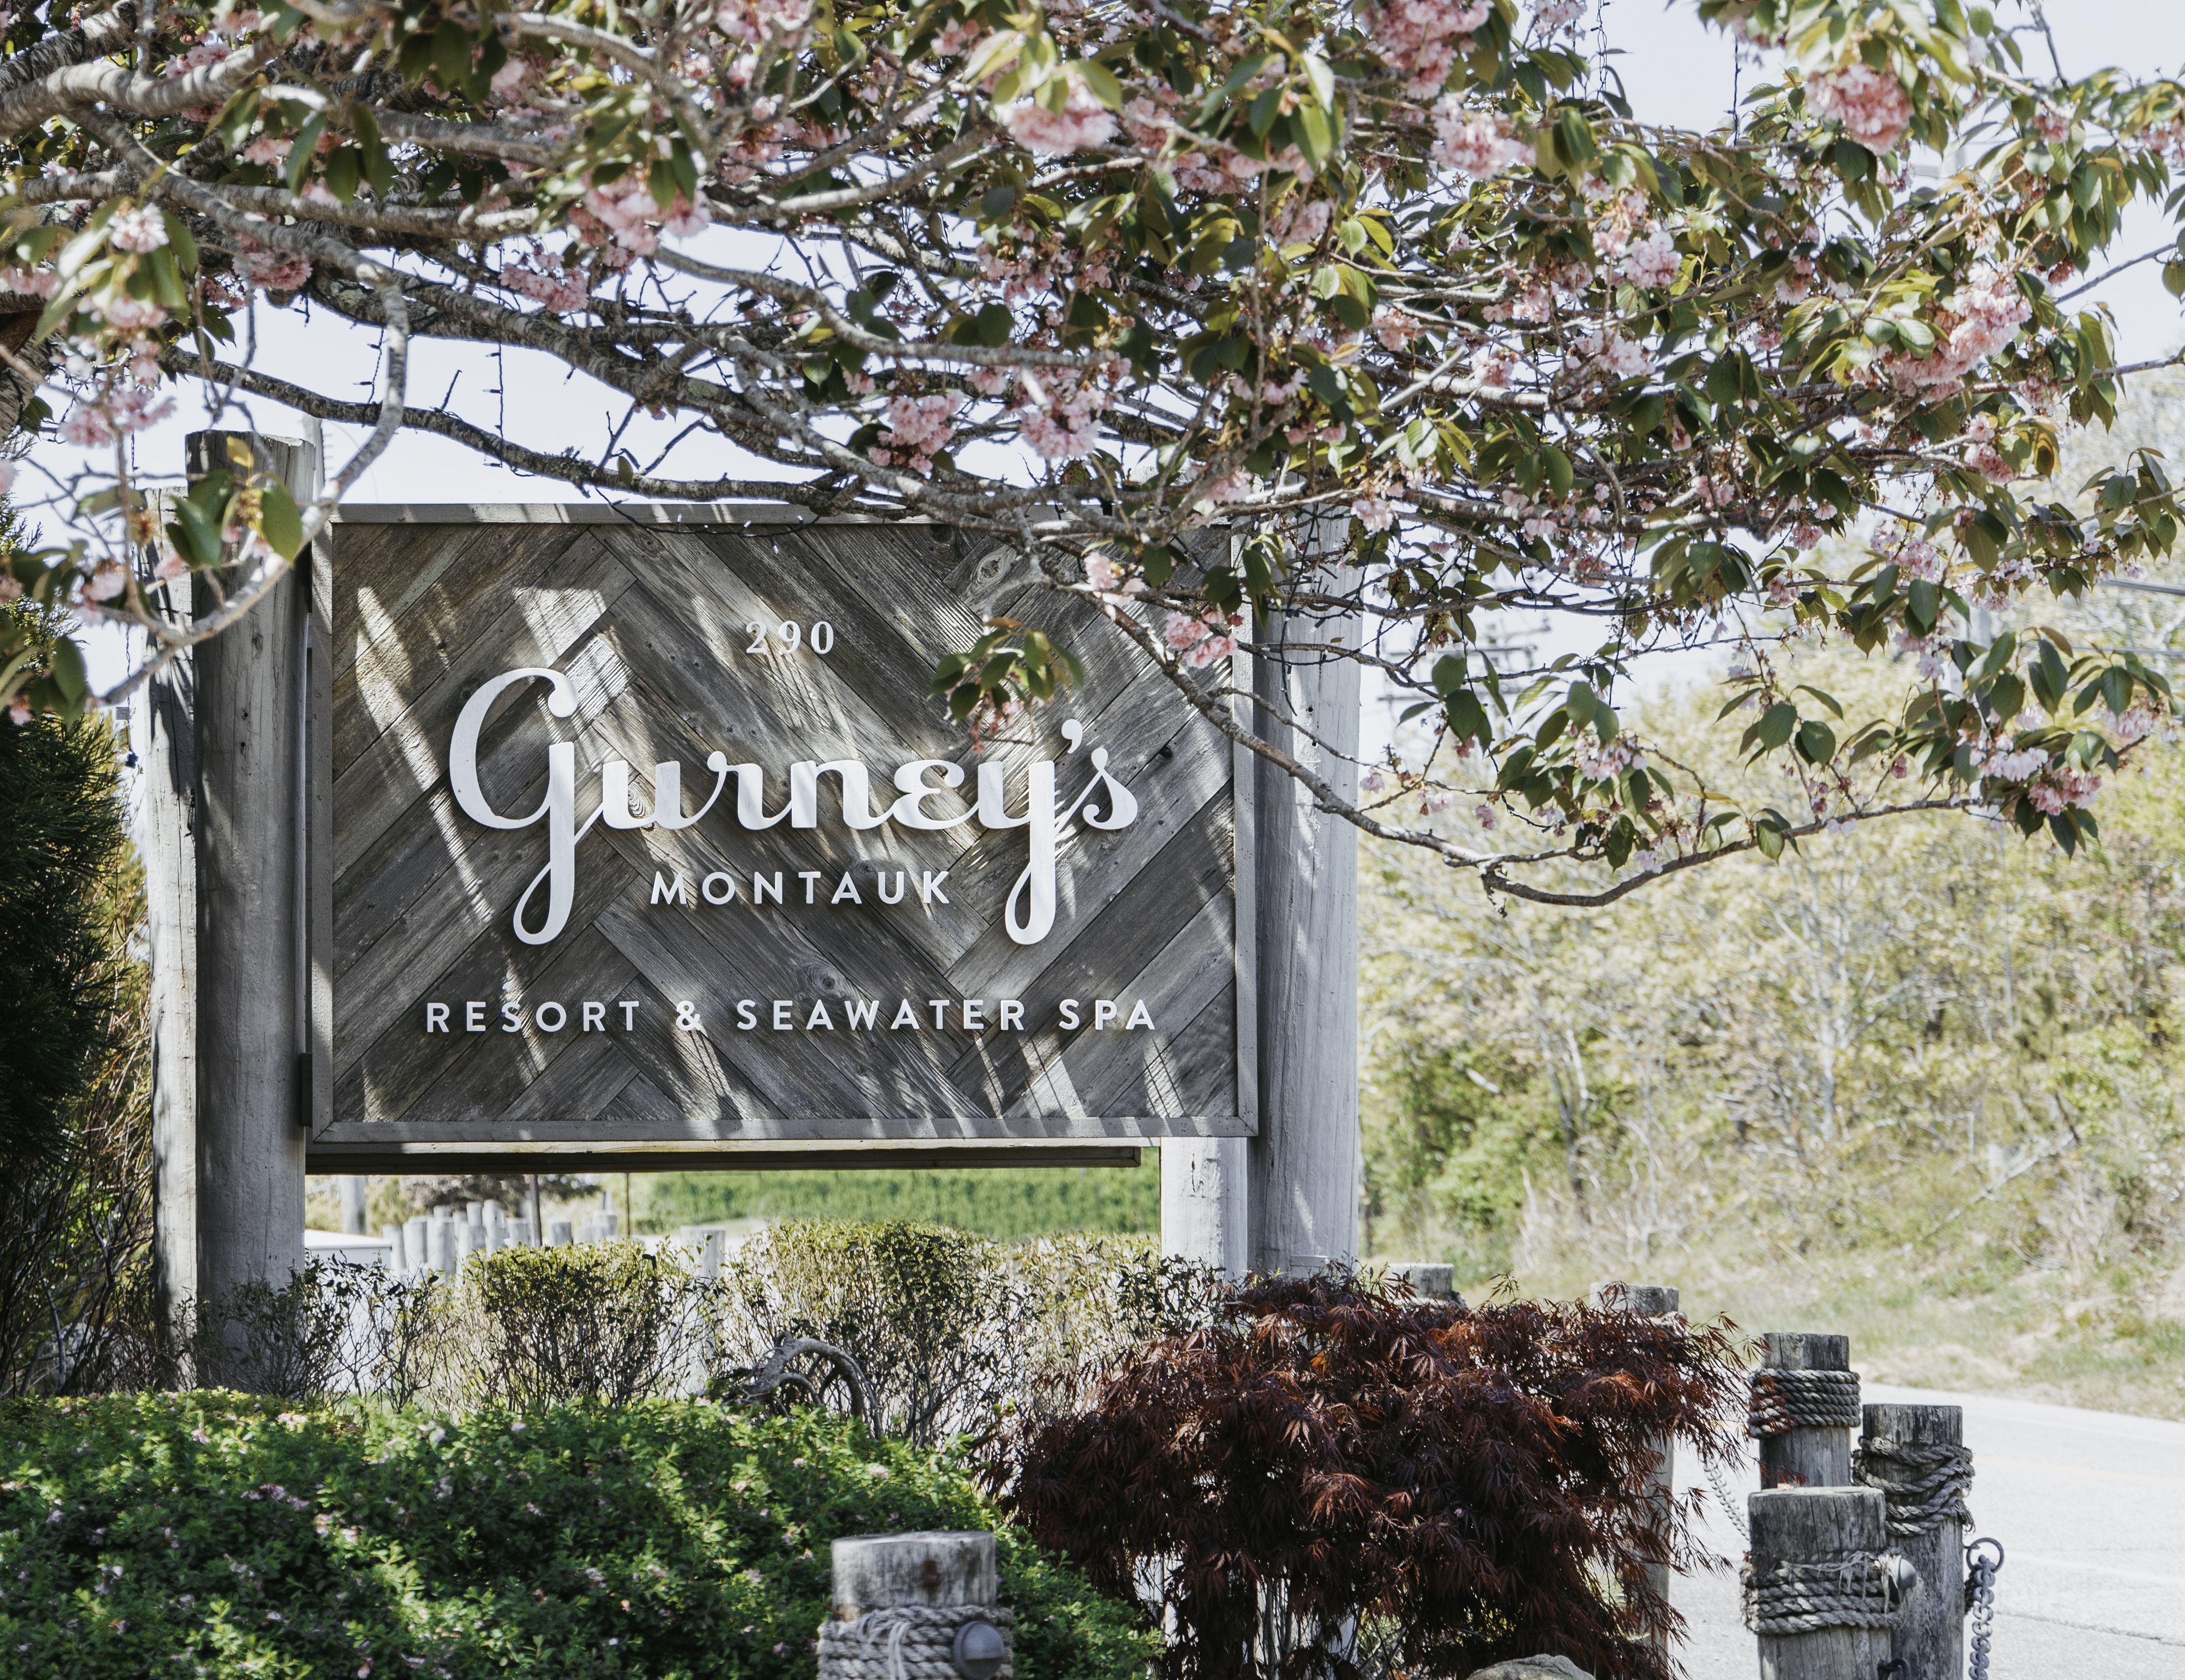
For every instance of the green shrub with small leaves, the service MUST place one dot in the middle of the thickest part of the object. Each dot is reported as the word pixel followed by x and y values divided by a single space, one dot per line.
pixel 217 1534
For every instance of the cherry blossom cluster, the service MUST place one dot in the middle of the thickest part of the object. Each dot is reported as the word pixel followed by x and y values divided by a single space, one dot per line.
pixel 1061 423
pixel 1978 319
pixel 1201 638
pixel 1473 142
pixel 919 428
pixel 1871 104
pixel 1423 39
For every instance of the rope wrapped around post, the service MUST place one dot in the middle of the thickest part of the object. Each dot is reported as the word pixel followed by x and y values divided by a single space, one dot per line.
pixel 916 1641
pixel 1859 1589
pixel 1926 1486
pixel 1784 1400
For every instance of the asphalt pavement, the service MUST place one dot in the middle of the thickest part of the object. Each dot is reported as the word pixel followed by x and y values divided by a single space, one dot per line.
pixel 2090 1509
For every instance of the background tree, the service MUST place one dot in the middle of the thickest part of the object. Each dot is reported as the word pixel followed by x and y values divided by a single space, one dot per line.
pixel 1400 293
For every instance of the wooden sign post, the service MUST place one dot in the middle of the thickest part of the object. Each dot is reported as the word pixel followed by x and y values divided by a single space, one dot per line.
pixel 221 741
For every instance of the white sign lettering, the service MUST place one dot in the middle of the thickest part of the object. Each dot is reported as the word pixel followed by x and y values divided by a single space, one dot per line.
pixel 1029 915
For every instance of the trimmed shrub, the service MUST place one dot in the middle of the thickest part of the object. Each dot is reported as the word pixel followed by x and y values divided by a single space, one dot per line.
pixel 602 1321
pixel 216 1534
pixel 953 1329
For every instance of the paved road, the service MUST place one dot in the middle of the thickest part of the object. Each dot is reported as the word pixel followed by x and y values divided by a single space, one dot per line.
pixel 2090 1507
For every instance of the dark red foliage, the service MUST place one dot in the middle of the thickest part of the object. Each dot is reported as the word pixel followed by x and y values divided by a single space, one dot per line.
pixel 1467 1484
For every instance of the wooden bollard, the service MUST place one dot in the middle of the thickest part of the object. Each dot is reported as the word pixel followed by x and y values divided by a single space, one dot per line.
pixel 1806 1455
pixel 922 1605
pixel 931 1567
pixel 1915 1456
pixel 1652 1301
pixel 1430 1280
pixel 1832 1529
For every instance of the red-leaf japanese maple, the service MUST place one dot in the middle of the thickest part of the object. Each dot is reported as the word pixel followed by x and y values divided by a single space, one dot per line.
pixel 1330 1454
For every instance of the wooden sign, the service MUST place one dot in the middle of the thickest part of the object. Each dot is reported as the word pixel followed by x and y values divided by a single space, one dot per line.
pixel 647 843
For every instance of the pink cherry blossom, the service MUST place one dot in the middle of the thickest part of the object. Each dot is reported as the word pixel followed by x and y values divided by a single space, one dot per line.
pixel 755 21
pixel 141 229
pixel 1083 121
pixel 108 580
pixel 1978 319
pixel 272 270
pixel 917 428
pixel 1059 424
pixel 35 282
pixel 1871 104
pixel 686 217
pixel 1115 585
pixel 267 150
pixel 1299 222
pixel 627 211
pixel 1422 38
pixel 563 290
pixel 1652 259
pixel 1474 143
pixel 1373 513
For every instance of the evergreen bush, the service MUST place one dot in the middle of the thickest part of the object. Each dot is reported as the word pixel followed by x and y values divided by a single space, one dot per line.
pixel 220 1535
pixel 75 1143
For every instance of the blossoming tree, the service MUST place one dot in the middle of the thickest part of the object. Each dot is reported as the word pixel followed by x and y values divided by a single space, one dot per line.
pixel 1094 276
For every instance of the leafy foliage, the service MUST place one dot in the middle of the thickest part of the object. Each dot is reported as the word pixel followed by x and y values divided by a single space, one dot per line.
pixel 951 1329
pixel 76 1307
pixel 598 1321
pixel 660 1539
pixel 1913 1067
pixel 1327 1450
pixel 63 921
pixel 1401 295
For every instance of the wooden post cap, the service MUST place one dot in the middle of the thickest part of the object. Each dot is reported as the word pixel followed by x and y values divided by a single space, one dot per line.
pixel 1648 1300
pixel 934 1567
pixel 1430 1280
pixel 1804 1350
pixel 1814 1525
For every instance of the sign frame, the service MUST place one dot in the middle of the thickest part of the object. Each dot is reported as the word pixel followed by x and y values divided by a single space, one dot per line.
pixel 355 1145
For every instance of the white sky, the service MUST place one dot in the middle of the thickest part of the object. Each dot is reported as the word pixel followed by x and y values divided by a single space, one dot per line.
pixel 1674 71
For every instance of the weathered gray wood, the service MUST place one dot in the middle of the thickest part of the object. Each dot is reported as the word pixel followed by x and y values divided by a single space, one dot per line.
pixel 1430 1280
pixel 1805 1458
pixel 934 1567
pixel 253 1086
pixel 355 1218
pixel 1650 1300
pixel 1304 1161
pixel 1931 1638
pixel 648 620
pixel 163 734
pixel 1818 1525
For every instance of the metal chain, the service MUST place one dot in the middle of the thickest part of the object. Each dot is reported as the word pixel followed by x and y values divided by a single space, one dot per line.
pixel 1979 1602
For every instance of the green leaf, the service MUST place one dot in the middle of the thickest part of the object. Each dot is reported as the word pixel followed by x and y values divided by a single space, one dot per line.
pixel 1776 724
pixel 281 522
pixel 1321 80
pixel 68 668
pixel 1817 742
pixel 1100 82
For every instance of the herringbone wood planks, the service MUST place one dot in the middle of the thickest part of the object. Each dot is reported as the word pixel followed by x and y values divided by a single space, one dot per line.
pixel 650 627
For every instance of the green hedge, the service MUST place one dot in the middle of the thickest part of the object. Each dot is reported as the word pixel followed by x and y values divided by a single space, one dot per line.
pixel 216 1534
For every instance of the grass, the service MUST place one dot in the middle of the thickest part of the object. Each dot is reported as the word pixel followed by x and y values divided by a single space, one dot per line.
pixel 1007 1202
pixel 2028 1335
